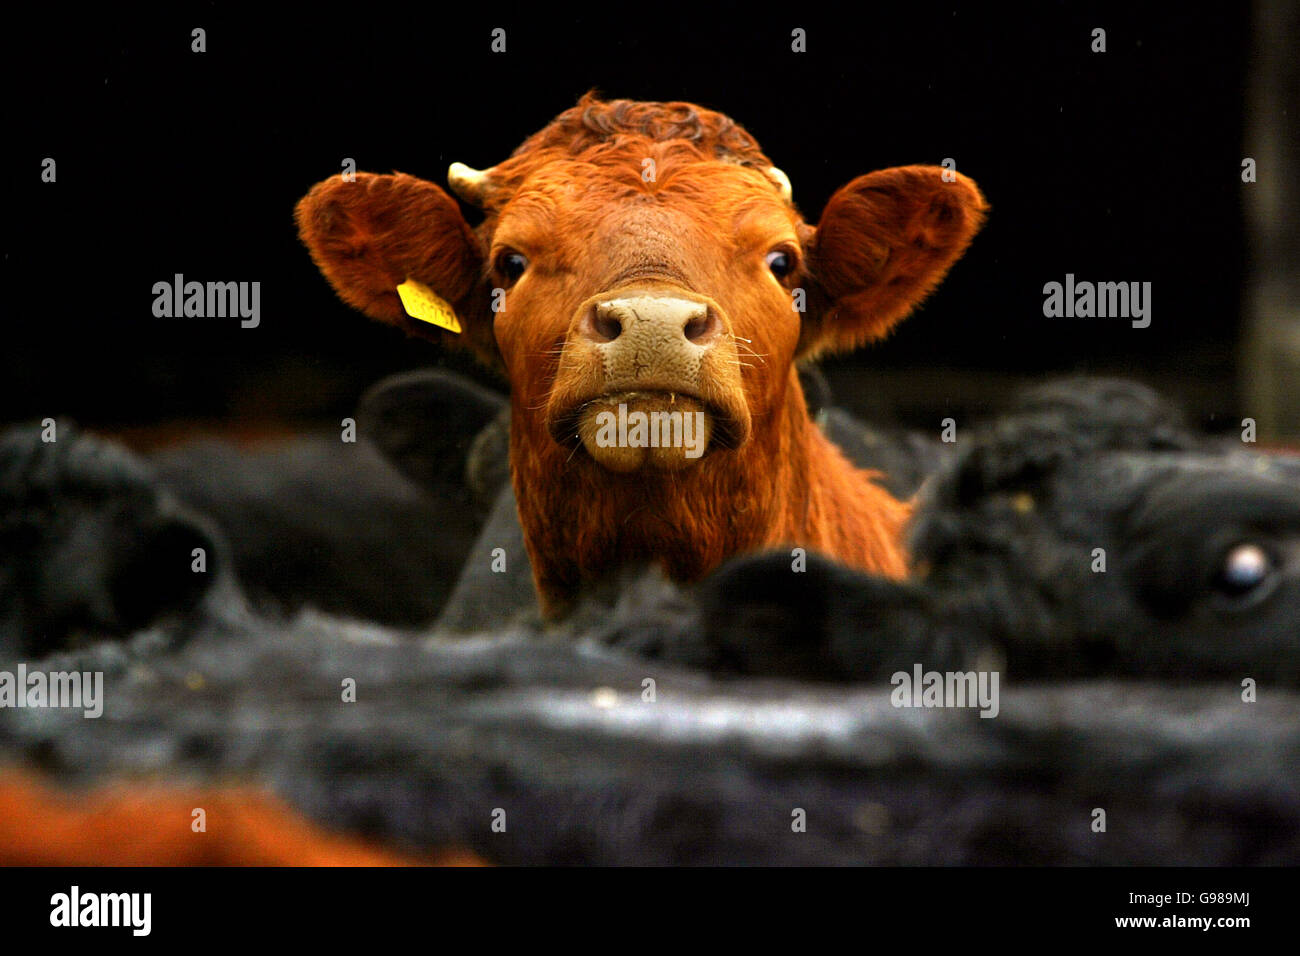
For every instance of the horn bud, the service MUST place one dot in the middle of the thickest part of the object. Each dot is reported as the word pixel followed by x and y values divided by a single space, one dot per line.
pixel 468 183
pixel 782 183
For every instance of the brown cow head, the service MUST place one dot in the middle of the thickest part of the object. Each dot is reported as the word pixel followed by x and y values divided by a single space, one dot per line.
pixel 649 255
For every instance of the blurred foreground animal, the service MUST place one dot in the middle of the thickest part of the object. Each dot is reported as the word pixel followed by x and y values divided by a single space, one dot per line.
pixel 596 751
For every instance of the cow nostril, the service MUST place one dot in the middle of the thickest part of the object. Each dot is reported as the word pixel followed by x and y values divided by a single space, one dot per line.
pixel 607 328
pixel 701 328
pixel 601 324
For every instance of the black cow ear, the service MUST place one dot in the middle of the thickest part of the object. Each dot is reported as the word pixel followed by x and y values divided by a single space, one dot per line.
pixel 426 423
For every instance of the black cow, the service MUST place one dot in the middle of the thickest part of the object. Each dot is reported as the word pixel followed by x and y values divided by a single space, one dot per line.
pixel 1087 534
pixel 103 542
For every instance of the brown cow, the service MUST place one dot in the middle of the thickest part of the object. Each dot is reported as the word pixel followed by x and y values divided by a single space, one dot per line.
pixel 649 255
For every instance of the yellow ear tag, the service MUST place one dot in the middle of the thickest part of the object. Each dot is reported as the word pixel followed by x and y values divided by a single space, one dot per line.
pixel 421 302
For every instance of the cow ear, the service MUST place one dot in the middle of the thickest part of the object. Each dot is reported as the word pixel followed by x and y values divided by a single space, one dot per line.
pixel 370 235
pixel 883 243
pixel 429 424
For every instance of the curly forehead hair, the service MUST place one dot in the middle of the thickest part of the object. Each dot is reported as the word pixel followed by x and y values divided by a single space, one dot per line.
pixel 594 121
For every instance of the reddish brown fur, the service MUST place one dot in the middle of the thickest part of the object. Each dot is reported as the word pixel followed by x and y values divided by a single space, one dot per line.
pixel 573 199
pixel 151 825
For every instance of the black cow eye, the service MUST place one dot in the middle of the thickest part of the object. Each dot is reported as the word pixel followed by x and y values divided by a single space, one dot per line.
pixel 512 265
pixel 780 262
pixel 1245 567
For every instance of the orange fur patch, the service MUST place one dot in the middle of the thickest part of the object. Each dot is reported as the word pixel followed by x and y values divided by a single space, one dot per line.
pixel 150 825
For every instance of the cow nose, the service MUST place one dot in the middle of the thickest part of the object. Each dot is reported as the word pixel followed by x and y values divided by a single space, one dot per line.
pixel 664 320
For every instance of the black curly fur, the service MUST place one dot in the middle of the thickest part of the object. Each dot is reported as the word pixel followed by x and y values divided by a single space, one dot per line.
pixel 1003 543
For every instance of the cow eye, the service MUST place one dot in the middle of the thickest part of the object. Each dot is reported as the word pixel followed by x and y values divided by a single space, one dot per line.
pixel 511 265
pixel 1243 571
pixel 781 262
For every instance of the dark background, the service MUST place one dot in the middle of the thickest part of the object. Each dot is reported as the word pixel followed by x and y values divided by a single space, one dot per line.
pixel 1120 166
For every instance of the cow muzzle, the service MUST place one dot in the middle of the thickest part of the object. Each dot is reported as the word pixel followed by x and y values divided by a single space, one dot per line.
pixel 649 379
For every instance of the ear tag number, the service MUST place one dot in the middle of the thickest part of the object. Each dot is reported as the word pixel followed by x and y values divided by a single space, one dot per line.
pixel 421 302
